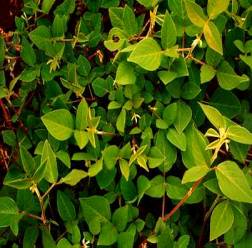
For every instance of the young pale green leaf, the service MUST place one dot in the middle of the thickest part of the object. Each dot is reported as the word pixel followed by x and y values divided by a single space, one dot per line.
pixel 59 123
pixel 227 77
pixel 65 207
pixel 110 156
pixel 74 177
pixel 213 37
pixel 233 182
pixel 82 115
pixel 239 134
pixel 221 219
pixel 27 53
pixel 120 122
pixel 8 211
pixel 137 154
pixel 168 32
pixel 195 13
pixel 47 5
pixel 147 54
pixel 125 74
pixel 125 169
pixel 207 73
pixel 216 7
pixel 27 161
pixel 183 117
pixel 81 138
pixel 213 115
pixel 40 172
pixel 195 173
pixel 95 168
pixel 49 157
pixel 177 139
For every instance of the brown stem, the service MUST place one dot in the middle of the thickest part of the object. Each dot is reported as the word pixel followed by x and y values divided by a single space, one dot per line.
pixel 31 215
pixel 206 217
pixel 182 201
pixel 6 115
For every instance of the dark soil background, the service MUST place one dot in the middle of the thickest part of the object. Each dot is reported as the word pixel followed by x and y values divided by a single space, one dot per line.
pixel 8 10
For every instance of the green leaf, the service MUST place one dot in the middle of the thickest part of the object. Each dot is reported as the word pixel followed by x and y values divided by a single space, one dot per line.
pixel 233 182
pixel 41 37
pixel 175 190
pixel 165 239
pixel 81 138
pixel 226 102
pixel 65 207
pixel 125 239
pixel 82 115
pixel 195 173
pixel 30 237
pixel 195 13
pixel 59 123
pixel 59 25
pixel 95 209
pixel 47 239
pixel 213 115
pixel 143 184
pixel 27 53
pixel 213 37
pixel 239 134
pixel 102 86
pixel 108 235
pixel 147 54
pixel 239 227
pixel 148 3
pixel 227 77
pixel 170 113
pixel 48 157
pixel 177 139
pixel 74 177
pixel 216 7
pixel 120 218
pixel 196 153
pixel 125 74
pixel 168 32
pixel 120 122
pixel 47 5
pixel 157 187
pixel 8 211
pixel 183 241
pixel 184 116
pixel 27 161
pixel 207 73
pixel 221 220
pixel 247 60
pixel 110 156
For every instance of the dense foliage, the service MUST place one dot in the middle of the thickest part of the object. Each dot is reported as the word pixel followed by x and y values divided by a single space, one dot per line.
pixel 126 124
